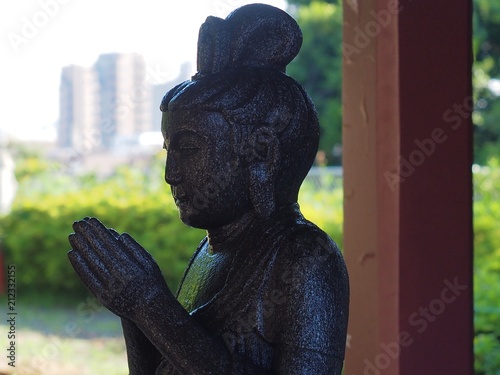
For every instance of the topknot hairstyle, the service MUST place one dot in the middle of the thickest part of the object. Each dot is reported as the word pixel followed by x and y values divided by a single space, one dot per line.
pixel 241 66
pixel 255 35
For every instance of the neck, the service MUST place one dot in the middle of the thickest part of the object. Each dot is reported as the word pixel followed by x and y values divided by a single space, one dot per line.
pixel 223 237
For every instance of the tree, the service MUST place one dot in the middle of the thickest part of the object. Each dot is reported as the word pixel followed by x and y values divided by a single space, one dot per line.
pixel 318 67
pixel 486 68
pixel 307 2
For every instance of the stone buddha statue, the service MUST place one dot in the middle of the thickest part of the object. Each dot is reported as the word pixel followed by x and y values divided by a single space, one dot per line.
pixel 266 291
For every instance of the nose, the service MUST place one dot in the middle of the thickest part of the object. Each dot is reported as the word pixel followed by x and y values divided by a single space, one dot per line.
pixel 172 173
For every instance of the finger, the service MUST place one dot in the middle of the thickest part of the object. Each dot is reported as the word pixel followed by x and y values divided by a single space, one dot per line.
pixel 103 243
pixel 136 251
pixel 89 227
pixel 92 260
pixel 99 229
pixel 93 283
pixel 83 271
pixel 108 236
pixel 114 233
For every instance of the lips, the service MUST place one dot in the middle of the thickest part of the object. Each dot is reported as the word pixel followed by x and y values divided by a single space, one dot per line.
pixel 180 200
pixel 179 196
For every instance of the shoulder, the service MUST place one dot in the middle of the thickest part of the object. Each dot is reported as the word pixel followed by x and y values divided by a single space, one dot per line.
pixel 310 253
pixel 311 274
pixel 311 279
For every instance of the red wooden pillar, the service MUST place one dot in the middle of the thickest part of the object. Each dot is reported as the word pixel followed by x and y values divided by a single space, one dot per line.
pixel 407 185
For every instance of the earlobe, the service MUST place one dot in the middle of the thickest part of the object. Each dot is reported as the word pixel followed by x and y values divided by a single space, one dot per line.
pixel 262 183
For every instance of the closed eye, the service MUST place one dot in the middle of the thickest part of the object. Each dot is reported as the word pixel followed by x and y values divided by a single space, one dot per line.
pixel 186 143
pixel 189 150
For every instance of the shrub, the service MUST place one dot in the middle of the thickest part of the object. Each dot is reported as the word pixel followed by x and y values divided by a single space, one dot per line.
pixel 487 268
pixel 35 235
pixel 35 232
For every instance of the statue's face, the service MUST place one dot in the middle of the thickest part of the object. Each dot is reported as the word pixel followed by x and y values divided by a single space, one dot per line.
pixel 209 188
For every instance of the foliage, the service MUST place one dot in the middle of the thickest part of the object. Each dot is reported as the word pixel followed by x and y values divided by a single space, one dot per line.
pixel 487 268
pixel 486 45
pixel 31 166
pixel 324 208
pixel 486 118
pixel 487 32
pixel 307 2
pixel 318 67
pixel 35 231
pixel 34 234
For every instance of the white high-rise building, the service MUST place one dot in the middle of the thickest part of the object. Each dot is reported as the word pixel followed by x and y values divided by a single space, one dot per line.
pixel 79 109
pixel 105 105
pixel 125 97
pixel 159 90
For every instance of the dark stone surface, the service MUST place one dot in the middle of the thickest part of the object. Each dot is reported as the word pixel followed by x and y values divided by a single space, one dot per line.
pixel 266 292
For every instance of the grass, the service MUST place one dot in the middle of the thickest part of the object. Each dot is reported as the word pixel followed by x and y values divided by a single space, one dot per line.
pixel 58 337
pixel 39 353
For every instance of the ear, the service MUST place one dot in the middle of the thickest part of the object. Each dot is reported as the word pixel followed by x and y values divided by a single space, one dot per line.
pixel 262 176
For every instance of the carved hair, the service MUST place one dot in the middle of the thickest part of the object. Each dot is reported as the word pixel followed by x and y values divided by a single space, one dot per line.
pixel 241 74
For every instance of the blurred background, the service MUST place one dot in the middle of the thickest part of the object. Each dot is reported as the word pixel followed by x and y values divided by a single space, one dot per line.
pixel 80 87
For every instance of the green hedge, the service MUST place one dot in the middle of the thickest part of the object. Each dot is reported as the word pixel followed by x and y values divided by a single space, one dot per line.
pixel 36 230
pixel 35 234
pixel 487 268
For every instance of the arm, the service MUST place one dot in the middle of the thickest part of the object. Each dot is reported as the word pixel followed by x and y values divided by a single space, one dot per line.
pixel 313 315
pixel 125 278
pixel 143 357
pixel 293 360
pixel 188 345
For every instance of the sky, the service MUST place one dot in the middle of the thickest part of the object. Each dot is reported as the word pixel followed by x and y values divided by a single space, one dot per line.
pixel 39 37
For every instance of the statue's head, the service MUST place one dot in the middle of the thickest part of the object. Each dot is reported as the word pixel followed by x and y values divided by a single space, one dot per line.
pixel 240 135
